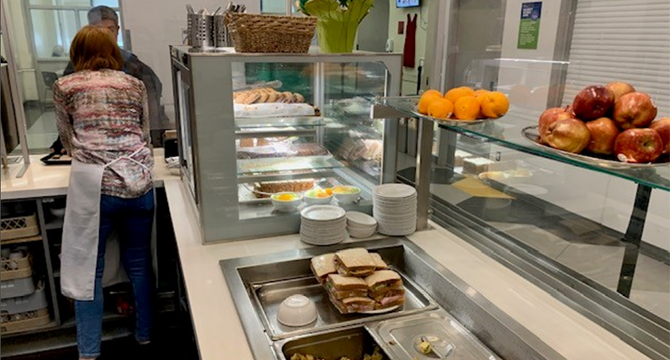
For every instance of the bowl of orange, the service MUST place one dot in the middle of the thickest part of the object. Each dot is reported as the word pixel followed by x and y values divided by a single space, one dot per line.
pixel 319 196
pixel 286 201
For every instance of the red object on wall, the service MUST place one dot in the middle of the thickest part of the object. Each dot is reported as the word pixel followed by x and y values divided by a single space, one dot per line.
pixel 409 52
pixel 401 27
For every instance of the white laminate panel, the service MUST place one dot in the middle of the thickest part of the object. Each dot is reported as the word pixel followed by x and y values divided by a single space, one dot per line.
pixel 43 181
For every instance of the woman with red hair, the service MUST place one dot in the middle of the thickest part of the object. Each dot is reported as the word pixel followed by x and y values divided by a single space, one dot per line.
pixel 103 120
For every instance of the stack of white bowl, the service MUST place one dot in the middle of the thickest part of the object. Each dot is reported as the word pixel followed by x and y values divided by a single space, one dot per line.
pixel 323 225
pixel 360 225
pixel 394 208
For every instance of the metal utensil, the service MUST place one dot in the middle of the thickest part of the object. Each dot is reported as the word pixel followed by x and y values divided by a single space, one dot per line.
pixel 217 11
pixel 189 9
pixel 243 8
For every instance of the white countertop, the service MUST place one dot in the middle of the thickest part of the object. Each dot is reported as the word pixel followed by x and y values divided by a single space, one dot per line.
pixel 42 181
pixel 220 334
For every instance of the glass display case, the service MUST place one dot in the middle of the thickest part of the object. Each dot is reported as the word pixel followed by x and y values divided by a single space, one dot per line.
pixel 252 126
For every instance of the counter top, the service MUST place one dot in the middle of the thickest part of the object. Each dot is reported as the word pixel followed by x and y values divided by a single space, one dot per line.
pixel 42 181
pixel 220 334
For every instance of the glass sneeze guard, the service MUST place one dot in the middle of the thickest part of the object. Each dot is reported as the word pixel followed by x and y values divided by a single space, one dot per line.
pixel 508 132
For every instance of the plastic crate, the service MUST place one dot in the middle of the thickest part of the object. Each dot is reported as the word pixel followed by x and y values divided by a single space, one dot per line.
pixel 32 302
pixel 16 288
pixel 16 268
pixel 19 227
pixel 25 321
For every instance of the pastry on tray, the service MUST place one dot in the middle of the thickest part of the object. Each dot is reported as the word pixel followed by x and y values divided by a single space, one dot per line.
pixel 266 95
pixel 309 149
pixel 263 189
pixel 279 151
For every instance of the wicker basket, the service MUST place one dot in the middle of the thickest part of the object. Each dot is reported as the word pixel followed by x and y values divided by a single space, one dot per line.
pixel 19 227
pixel 253 33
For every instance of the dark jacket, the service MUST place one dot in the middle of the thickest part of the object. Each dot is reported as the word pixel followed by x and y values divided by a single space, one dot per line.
pixel 136 68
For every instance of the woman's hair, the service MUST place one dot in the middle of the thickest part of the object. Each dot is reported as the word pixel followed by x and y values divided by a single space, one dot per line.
pixel 94 48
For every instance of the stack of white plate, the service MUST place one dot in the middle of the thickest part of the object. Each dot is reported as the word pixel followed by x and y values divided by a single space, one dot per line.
pixel 394 208
pixel 323 225
pixel 360 225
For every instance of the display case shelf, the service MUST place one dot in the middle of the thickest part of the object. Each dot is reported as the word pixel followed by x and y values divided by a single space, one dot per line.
pixel 286 164
pixel 251 124
pixel 508 132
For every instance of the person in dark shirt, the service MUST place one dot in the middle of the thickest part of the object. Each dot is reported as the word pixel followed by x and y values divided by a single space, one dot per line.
pixel 107 17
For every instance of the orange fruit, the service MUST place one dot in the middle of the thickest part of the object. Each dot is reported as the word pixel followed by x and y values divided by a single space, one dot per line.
pixel 432 92
pixel 440 108
pixel 456 93
pixel 494 104
pixel 426 100
pixel 466 108
pixel 329 191
pixel 479 93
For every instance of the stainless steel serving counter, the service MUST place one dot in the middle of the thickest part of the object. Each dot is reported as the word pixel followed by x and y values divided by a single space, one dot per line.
pixel 220 330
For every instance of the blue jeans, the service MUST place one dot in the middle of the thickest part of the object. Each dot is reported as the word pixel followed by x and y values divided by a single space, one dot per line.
pixel 133 218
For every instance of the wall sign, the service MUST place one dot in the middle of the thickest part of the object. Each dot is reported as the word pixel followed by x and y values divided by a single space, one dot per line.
pixel 529 27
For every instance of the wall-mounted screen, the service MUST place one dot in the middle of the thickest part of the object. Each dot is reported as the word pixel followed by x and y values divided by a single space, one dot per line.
pixel 407 3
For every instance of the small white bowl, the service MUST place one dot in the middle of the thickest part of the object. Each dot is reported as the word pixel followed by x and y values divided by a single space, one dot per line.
pixel 57 212
pixel 347 198
pixel 361 234
pixel 358 219
pixel 310 199
pixel 286 206
pixel 297 310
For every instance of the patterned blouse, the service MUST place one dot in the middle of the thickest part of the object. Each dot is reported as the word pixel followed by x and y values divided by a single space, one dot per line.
pixel 101 116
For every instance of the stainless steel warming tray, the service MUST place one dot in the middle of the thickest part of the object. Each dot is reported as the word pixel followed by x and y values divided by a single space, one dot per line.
pixel 439 305
pixel 268 296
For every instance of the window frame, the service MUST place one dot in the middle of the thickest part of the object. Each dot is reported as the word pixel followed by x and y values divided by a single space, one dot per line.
pixel 28 7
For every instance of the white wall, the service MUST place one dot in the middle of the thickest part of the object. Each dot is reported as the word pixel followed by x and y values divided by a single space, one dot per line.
pixel 156 24
pixel 409 79
pixel 528 76
pixel 373 30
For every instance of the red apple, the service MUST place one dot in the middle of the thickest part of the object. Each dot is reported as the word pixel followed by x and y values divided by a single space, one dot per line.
pixel 603 135
pixel 634 110
pixel 550 116
pixel 570 135
pixel 620 89
pixel 662 126
pixel 638 146
pixel 593 102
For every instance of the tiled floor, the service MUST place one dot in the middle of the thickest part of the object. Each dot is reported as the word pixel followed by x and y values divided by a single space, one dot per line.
pixel 579 244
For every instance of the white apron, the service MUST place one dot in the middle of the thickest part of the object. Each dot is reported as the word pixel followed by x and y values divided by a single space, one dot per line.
pixel 79 250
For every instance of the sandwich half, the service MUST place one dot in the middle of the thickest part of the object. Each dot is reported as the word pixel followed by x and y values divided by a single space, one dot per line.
pixel 340 287
pixel 379 263
pixel 322 266
pixel 386 289
pixel 354 262
pixel 353 304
